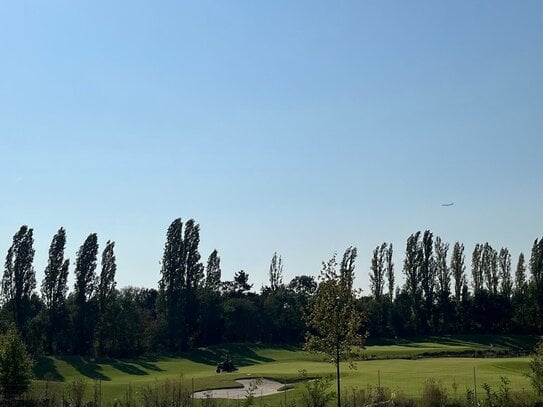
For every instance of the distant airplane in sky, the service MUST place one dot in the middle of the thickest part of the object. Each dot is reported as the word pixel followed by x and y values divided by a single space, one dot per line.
pixel 448 204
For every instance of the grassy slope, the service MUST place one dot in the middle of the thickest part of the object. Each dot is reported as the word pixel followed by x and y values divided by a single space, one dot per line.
pixel 286 362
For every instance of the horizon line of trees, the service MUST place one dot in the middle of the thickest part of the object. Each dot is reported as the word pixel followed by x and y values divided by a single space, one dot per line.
pixel 192 306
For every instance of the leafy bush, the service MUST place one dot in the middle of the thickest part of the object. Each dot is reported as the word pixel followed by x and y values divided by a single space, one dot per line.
pixel 76 392
pixel 369 396
pixel 168 393
pixel 433 394
pixel 316 392
pixel 15 365
pixel 536 367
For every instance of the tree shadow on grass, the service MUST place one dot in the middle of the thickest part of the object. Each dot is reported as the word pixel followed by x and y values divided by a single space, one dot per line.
pixel 45 369
pixel 240 354
pixel 474 341
pixel 145 363
pixel 86 367
pixel 128 368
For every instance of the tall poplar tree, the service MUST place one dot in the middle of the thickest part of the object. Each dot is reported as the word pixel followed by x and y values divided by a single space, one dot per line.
pixel 520 275
pixel 377 273
pixel 489 265
pixel 211 321
pixel 213 272
pixel 536 270
pixel 172 284
pixel 389 267
pixel 458 269
pixel 458 272
pixel 377 287
pixel 276 272
pixel 442 270
pixel 443 280
pixel 182 277
pixel 428 278
pixel 477 269
pixel 53 289
pixel 84 290
pixel 506 287
pixel 106 296
pixel 194 280
pixel 523 310
pixel 411 268
pixel 19 279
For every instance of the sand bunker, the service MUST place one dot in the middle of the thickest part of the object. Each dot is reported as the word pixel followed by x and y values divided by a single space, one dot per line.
pixel 264 387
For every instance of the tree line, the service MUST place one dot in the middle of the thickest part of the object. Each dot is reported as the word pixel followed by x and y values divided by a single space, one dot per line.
pixel 192 305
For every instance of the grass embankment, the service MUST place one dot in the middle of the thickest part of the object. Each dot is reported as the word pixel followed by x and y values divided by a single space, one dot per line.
pixel 396 364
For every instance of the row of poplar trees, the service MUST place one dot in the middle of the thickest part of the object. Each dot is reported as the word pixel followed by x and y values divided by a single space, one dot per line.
pixel 192 306
pixel 441 296
pixel 59 322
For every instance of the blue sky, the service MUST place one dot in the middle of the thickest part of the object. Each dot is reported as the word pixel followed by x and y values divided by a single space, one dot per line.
pixel 297 127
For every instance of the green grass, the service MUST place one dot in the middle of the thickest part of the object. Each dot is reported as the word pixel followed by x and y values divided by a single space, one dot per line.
pixel 398 366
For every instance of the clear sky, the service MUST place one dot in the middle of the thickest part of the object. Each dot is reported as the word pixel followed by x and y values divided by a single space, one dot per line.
pixel 300 127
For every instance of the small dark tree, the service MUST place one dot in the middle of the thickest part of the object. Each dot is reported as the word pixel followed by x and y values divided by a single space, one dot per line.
pixel 15 365
pixel 239 286
pixel 305 286
pixel 334 321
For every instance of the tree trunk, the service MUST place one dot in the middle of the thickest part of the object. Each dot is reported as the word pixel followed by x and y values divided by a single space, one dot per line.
pixel 338 379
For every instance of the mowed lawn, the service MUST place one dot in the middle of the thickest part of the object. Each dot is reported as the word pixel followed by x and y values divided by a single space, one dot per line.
pixel 397 365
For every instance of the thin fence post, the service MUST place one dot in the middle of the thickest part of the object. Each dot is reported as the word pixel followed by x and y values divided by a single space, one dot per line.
pixel 475 384
pixel 285 390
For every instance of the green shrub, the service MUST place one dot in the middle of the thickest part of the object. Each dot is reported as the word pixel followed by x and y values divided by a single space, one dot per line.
pixel 433 394
pixel 316 392
pixel 15 365
pixel 536 367
pixel 168 393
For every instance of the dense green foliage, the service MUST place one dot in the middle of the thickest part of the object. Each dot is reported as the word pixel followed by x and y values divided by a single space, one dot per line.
pixel 15 365
pixel 19 280
pixel 333 320
pixel 536 368
pixel 192 306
